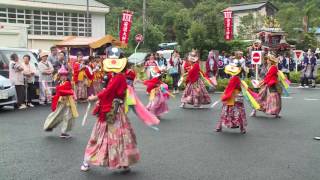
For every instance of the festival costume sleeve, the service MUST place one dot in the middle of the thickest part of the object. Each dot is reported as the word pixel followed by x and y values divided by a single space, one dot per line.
pixel 233 84
pixel 250 96
pixel 64 89
pixel 207 82
pixel 164 88
pixel 130 74
pixel 140 110
pixel 76 70
pixel 284 82
pixel 151 84
pixel 193 74
pixel 116 88
pixel 89 74
pixel 271 78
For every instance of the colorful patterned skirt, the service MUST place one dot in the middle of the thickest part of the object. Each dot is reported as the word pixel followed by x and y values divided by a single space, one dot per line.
pixel 82 90
pixel 233 116
pixel 97 87
pixel 158 106
pixel 196 94
pixel 269 100
pixel 112 145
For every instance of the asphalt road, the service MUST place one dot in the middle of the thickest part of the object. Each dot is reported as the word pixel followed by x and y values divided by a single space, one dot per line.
pixel 186 147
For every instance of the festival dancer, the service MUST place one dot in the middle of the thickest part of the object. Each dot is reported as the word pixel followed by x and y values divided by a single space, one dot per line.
pixel 233 114
pixel 89 71
pixel 63 106
pixel 195 92
pixel 159 94
pixel 84 76
pixel 270 91
pixel 130 75
pixel 97 76
pixel 113 143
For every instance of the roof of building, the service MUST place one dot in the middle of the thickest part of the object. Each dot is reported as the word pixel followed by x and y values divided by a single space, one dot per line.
pixel 249 6
pixel 72 5
pixel 92 3
pixel 92 42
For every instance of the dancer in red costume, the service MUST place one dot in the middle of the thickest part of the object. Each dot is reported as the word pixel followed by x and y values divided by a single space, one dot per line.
pixel 270 91
pixel 233 114
pixel 195 92
pixel 63 106
pixel 113 142
pixel 158 94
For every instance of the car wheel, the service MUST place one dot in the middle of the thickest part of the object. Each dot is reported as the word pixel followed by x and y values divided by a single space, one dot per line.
pixel 15 106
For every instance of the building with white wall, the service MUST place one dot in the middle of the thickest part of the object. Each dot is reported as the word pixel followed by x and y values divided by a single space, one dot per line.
pixel 50 21
pixel 262 9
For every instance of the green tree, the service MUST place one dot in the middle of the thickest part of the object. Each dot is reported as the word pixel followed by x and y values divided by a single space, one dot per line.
pixel 153 37
pixel 182 23
pixel 248 26
pixel 197 36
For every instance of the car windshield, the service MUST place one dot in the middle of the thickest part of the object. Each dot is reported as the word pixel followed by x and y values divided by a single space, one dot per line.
pixel 7 54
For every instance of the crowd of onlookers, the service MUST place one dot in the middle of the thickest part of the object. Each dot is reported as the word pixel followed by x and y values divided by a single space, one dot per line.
pixel 87 75
pixel 215 64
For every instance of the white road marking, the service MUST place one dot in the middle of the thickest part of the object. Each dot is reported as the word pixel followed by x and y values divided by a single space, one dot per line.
pixel 311 99
pixel 303 88
pixel 284 97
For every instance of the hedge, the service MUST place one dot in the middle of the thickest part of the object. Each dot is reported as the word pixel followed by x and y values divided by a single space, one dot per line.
pixel 295 77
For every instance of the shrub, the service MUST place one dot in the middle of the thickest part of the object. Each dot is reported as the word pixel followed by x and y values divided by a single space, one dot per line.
pixel 295 77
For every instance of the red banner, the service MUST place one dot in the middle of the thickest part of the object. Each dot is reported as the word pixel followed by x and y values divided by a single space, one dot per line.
pixel 228 26
pixel 125 26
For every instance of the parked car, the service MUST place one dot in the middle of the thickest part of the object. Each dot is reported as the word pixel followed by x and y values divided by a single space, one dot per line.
pixel 5 54
pixel 137 58
pixel 166 54
pixel 8 96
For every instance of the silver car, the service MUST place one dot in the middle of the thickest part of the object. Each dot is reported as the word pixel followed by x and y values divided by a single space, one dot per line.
pixel 8 96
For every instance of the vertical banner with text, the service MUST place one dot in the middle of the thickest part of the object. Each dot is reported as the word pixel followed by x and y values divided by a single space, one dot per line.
pixel 228 26
pixel 125 28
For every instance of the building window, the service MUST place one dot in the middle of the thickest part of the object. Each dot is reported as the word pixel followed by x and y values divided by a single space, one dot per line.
pixel 44 22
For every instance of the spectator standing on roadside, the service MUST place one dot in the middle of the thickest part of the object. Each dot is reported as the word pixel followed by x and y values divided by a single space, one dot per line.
pixel 221 73
pixel 283 65
pixel 211 65
pixel 61 62
pixel 149 64
pixel 162 62
pixel 17 79
pixel 29 72
pixel 314 70
pixel 53 57
pixel 308 67
pixel 45 79
pixel 175 70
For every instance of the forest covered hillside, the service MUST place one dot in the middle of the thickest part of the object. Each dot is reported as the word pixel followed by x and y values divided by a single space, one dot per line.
pixel 199 23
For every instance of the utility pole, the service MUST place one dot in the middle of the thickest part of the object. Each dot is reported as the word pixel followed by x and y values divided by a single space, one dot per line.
pixel 87 20
pixel 144 19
